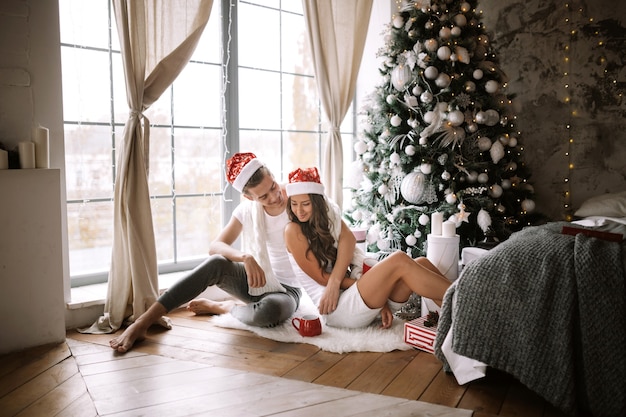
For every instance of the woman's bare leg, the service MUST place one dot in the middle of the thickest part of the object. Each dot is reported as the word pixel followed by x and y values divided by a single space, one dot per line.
pixel 384 278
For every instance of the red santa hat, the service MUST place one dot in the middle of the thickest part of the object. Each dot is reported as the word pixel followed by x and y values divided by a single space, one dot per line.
pixel 304 181
pixel 240 168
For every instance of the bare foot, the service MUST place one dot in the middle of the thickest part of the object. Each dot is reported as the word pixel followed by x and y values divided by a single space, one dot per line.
pixel 124 342
pixel 205 306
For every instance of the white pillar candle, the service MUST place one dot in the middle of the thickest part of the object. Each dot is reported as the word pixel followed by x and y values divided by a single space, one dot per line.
pixel 448 229
pixel 4 159
pixel 26 152
pixel 41 137
pixel 436 221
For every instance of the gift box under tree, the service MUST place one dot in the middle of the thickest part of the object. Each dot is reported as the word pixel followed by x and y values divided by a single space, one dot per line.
pixel 421 332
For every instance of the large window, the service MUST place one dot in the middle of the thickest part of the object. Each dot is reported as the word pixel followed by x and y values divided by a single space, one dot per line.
pixel 250 86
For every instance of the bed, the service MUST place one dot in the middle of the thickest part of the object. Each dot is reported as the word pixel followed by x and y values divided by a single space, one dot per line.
pixel 547 308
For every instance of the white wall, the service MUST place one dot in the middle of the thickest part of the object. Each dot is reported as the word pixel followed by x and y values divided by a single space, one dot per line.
pixel 31 95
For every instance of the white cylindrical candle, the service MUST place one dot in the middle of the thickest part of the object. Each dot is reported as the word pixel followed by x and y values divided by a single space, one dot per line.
pixel 436 222
pixel 41 138
pixel 4 159
pixel 448 229
pixel 26 151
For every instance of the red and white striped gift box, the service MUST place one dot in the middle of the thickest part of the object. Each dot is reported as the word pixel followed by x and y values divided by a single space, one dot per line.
pixel 420 336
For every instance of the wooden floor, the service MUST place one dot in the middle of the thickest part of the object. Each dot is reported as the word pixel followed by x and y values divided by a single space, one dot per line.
pixel 200 369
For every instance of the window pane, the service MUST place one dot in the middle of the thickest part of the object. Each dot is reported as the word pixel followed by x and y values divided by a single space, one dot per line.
pixel 259 37
pixel 197 95
pixel 301 150
pixel 265 145
pixel 296 53
pixel 161 165
pixel 163 223
pixel 86 85
pixel 259 99
pixel 90 236
pixel 85 22
pixel 301 109
pixel 198 221
pixel 198 161
pixel 209 48
pixel 88 162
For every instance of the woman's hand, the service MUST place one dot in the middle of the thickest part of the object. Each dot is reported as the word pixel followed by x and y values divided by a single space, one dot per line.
pixel 255 274
pixel 386 316
pixel 328 302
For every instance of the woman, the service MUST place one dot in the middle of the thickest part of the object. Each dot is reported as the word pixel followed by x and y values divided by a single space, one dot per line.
pixel 324 254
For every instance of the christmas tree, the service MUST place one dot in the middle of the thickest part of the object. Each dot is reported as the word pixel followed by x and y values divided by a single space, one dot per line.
pixel 440 135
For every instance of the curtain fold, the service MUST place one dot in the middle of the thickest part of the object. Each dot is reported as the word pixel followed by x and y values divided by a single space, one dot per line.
pixel 157 39
pixel 336 30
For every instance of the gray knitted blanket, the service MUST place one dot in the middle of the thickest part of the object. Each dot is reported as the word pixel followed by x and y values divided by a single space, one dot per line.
pixel 548 309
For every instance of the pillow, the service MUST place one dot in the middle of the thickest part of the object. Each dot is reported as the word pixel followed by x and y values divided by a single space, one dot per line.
pixel 608 205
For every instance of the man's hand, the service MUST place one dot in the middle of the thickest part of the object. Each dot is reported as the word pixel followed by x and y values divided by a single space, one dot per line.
pixel 256 275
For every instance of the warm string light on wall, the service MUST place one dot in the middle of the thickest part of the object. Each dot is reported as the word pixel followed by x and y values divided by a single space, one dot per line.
pixel 567 192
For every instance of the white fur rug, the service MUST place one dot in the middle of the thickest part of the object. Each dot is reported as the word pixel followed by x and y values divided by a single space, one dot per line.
pixel 332 339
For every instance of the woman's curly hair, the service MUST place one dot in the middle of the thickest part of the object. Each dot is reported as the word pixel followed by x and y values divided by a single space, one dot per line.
pixel 318 231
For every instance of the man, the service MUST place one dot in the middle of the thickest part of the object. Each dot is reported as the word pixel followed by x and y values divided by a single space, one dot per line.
pixel 260 274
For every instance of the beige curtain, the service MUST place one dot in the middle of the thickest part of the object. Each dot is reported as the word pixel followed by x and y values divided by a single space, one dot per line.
pixel 157 39
pixel 336 30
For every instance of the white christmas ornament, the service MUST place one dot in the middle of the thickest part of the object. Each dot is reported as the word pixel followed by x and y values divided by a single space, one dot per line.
pixel 444 33
pixel 431 45
pixel 398 22
pixel 431 72
pixel 417 90
pixel 410 240
pixel 451 198
pixel 460 20
pixel 456 117
pixel 424 219
pixel 395 120
pixel 409 150
pixel 512 142
pixel 426 168
pixel 506 184
pixel 426 97
pixel 528 205
pixel 496 152
pixel 484 220
pixel 394 158
pixel 483 178
pixel 400 75
pixel 481 117
pixel 493 117
pixel 455 31
pixel 360 147
pixel 413 187
pixel 484 143
pixel 495 191
pixel 492 86
pixel 443 80
pixel 443 53
pixel 391 99
pixel 477 74
pixel 382 189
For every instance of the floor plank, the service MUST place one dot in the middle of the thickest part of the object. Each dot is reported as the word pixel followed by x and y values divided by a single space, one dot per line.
pixel 198 368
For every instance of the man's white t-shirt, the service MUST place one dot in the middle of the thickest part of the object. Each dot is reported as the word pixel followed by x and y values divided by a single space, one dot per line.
pixel 275 240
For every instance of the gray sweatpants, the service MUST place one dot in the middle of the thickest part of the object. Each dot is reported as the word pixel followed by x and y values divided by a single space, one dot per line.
pixel 267 310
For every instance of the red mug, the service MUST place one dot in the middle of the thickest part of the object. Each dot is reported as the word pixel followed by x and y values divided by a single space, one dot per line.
pixel 309 325
pixel 368 263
